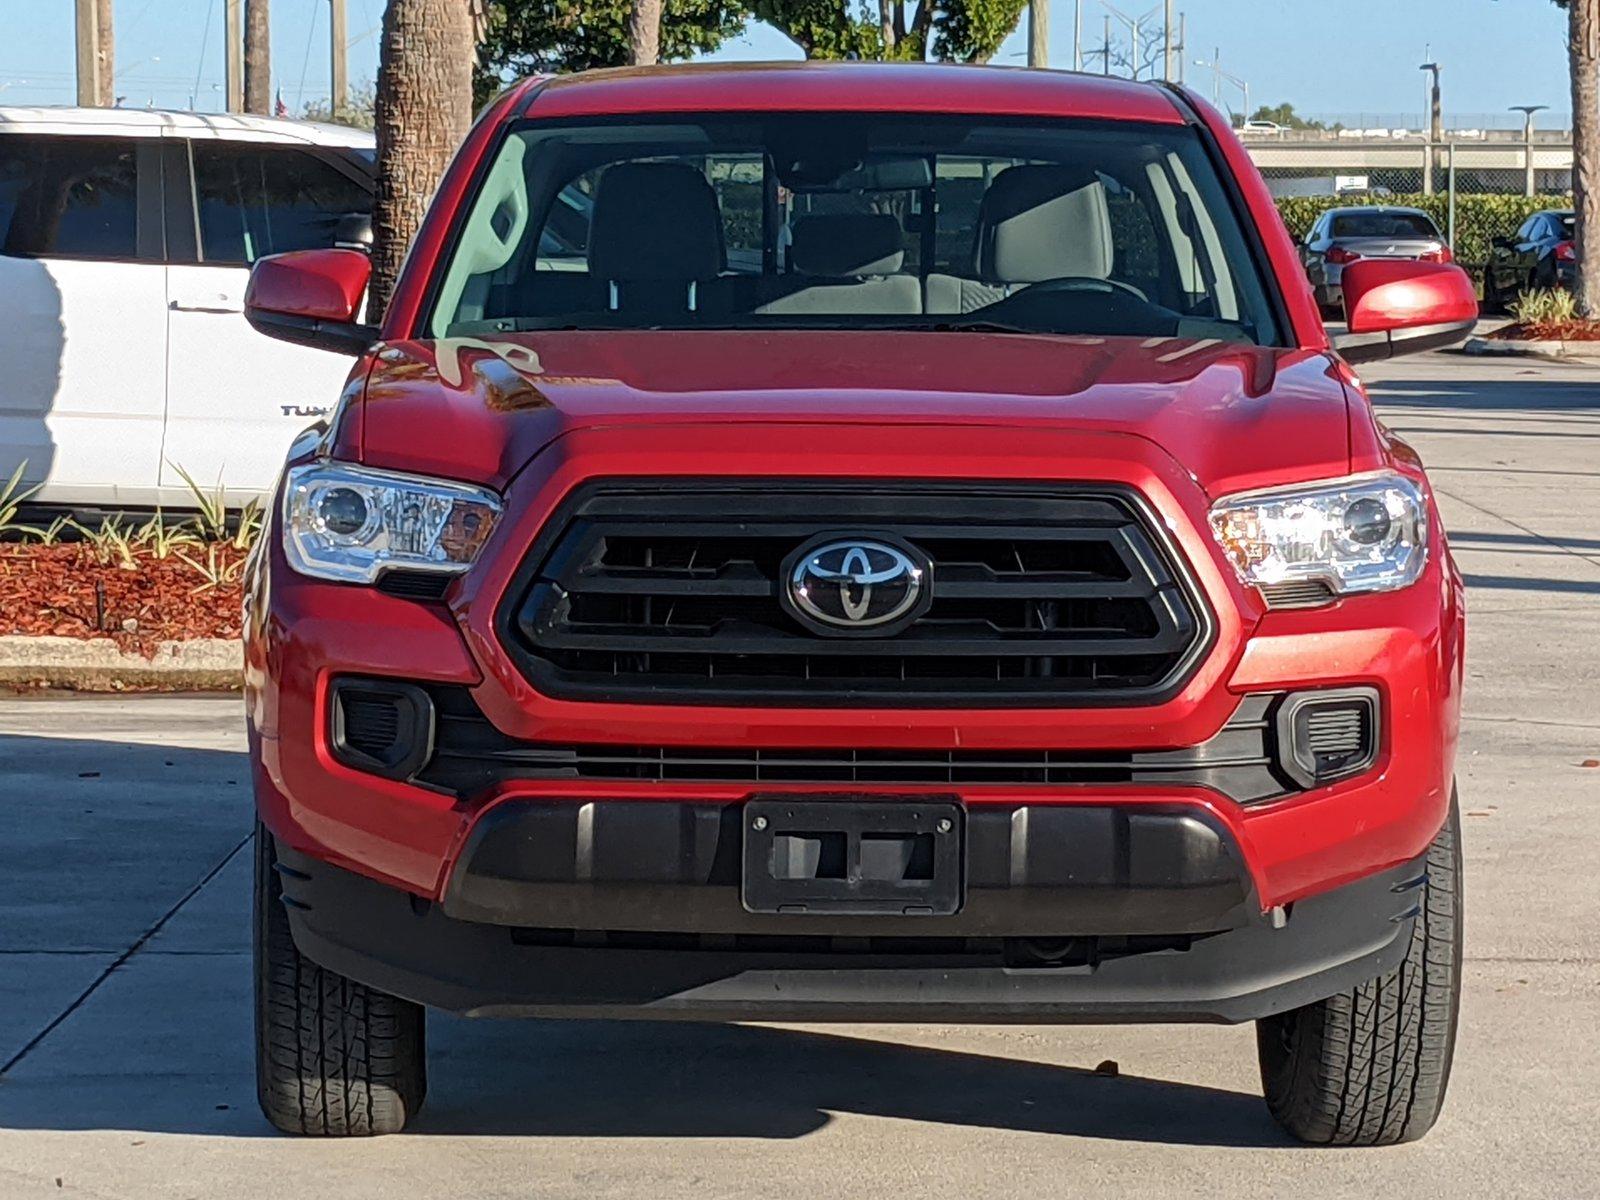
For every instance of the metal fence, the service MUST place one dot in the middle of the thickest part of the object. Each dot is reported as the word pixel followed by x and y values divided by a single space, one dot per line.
pixel 1475 191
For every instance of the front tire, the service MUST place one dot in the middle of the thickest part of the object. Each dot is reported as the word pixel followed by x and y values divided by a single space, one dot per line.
pixel 1369 1067
pixel 334 1058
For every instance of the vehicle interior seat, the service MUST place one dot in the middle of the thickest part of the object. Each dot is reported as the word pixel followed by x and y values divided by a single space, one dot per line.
pixel 1035 222
pixel 639 270
pixel 843 263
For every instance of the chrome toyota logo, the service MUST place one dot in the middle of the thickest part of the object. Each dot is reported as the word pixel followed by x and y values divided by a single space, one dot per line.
pixel 856 584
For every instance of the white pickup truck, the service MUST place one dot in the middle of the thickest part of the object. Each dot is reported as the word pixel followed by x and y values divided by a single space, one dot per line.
pixel 126 238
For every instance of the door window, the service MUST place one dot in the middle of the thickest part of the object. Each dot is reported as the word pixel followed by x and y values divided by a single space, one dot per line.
pixel 68 197
pixel 259 200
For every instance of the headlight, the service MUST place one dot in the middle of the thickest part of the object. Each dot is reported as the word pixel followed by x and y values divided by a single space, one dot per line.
pixel 352 524
pixel 1367 533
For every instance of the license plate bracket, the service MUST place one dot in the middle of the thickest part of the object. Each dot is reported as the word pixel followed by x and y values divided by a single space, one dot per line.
pixel 853 857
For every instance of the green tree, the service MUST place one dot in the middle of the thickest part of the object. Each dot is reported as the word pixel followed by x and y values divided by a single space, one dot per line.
pixel 527 36
pixel 1284 114
pixel 948 30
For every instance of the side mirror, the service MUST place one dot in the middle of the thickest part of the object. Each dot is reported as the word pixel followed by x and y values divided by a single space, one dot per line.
pixel 1397 306
pixel 311 298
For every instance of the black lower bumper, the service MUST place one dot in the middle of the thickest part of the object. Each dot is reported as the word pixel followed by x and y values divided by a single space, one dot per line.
pixel 632 909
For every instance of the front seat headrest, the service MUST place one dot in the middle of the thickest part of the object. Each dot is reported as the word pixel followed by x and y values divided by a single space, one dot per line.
pixel 655 221
pixel 841 244
pixel 1044 222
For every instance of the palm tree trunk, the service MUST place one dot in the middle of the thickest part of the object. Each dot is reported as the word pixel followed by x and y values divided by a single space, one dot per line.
pixel 257 57
pixel 1584 48
pixel 644 33
pixel 422 110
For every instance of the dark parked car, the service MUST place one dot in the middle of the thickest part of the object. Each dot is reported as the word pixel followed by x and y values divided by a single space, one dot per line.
pixel 1539 255
pixel 1343 235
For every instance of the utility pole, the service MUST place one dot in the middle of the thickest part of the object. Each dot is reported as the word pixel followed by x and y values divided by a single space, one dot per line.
pixel 93 79
pixel 1166 49
pixel 1105 47
pixel 233 59
pixel 1038 33
pixel 338 46
pixel 1529 183
pixel 258 57
pixel 1435 125
pixel 108 89
pixel 1077 35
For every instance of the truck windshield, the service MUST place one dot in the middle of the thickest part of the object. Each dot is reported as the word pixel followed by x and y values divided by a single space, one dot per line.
pixel 851 221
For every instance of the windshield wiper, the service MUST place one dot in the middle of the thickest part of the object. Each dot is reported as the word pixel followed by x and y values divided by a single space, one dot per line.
pixel 979 326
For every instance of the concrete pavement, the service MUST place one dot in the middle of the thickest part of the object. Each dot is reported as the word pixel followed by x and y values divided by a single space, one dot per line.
pixel 124 959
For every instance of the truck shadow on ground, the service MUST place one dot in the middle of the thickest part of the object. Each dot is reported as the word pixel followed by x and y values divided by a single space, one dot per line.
pixel 163 1042
pixel 586 1079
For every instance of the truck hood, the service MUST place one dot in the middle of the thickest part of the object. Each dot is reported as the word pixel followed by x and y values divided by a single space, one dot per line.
pixel 1233 416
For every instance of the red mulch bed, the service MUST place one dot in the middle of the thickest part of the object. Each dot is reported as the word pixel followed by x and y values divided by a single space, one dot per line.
pixel 1549 331
pixel 65 591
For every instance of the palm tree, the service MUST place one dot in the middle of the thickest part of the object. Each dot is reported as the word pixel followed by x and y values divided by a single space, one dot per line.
pixel 644 32
pixel 1583 51
pixel 422 110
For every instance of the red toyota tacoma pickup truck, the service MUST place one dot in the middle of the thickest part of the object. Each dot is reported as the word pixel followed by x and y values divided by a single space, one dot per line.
pixel 856 542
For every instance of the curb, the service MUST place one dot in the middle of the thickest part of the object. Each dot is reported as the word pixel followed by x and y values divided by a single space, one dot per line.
pixel 1583 352
pixel 100 665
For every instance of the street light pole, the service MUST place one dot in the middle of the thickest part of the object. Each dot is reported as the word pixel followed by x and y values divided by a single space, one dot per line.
pixel 1077 35
pixel 1132 23
pixel 1435 125
pixel 1218 75
pixel 1529 183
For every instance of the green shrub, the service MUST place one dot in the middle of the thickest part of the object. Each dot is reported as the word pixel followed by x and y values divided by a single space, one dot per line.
pixel 1545 306
pixel 1480 217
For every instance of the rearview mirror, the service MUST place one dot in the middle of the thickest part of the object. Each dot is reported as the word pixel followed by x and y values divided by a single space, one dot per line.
pixel 311 298
pixel 1398 306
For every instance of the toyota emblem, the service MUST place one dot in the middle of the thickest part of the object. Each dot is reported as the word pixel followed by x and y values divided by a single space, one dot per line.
pixel 860 585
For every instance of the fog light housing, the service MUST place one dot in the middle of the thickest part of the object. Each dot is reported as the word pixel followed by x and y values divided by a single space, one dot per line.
pixel 380 727
pixel 1327 735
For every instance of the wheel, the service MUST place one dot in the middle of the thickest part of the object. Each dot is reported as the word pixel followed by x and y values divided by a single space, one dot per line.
pixel 1369 1067
pixel 334 1058
pixel 1492 300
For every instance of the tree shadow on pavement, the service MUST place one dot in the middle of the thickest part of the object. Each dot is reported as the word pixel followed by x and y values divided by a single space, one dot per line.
pixel 1539 394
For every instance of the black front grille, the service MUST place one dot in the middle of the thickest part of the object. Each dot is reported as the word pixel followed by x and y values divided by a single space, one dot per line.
pixel 470 754
pixel 669 593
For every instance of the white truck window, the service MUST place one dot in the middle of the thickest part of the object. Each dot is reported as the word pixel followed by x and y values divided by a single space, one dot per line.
pixel 67 197
pixel 257 200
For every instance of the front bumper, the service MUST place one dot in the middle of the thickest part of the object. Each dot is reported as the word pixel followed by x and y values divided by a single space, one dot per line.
pixel 1258 965
pixel 302 634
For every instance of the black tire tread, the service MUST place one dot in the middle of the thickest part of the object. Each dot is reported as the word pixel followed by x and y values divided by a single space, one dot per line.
pixel 334 1058
pixel 1369 1067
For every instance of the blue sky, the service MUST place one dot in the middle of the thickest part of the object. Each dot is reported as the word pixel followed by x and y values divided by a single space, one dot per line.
pixel 1324 56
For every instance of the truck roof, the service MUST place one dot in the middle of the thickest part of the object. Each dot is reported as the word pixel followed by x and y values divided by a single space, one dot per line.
pixel 849 87
pixel 155 122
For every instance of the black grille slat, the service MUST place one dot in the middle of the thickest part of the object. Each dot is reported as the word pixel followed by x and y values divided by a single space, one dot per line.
pixel 470 754
pixel 669 592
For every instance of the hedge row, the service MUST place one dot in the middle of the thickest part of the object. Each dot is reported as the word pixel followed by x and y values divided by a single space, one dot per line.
pixel 1480 217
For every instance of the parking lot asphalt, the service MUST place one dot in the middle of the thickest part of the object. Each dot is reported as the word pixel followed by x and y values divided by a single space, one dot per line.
pixel 125 1017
